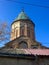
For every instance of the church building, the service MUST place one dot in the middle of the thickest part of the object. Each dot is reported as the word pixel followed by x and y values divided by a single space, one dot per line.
pixel 23 48
pixel 23 33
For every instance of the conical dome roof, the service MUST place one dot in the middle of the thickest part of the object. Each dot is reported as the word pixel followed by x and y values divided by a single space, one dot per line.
pixel 22 15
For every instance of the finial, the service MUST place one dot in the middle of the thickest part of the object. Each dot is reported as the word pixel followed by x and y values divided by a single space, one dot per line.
pixel 22 9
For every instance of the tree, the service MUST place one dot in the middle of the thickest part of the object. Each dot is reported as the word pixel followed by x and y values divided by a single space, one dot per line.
pixel 4 32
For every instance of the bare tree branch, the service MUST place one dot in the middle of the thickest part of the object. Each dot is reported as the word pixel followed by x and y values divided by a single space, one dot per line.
pixel 4 32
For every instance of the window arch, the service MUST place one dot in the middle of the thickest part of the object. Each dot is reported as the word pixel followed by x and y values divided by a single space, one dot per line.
pixel 34 47
pixel 23 45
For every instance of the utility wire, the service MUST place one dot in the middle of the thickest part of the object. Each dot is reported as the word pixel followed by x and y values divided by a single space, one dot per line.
pixel 29 4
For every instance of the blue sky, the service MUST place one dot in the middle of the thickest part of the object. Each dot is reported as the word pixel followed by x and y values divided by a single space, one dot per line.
pixel 39 15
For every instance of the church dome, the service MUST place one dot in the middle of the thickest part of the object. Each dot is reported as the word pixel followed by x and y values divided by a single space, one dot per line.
pixel 22 16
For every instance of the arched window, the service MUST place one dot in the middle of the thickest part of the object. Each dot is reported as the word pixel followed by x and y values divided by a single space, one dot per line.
pixel 16 33
pixel 28 31
pixel 23 45
pixel 22 31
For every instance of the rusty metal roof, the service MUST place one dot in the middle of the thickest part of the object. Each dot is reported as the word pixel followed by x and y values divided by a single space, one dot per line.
pixel 26 51
pixel 37 51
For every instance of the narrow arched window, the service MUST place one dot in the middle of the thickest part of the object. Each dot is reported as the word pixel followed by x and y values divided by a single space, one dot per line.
pixel 16 33
pixel 28 31
pixel 22 31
